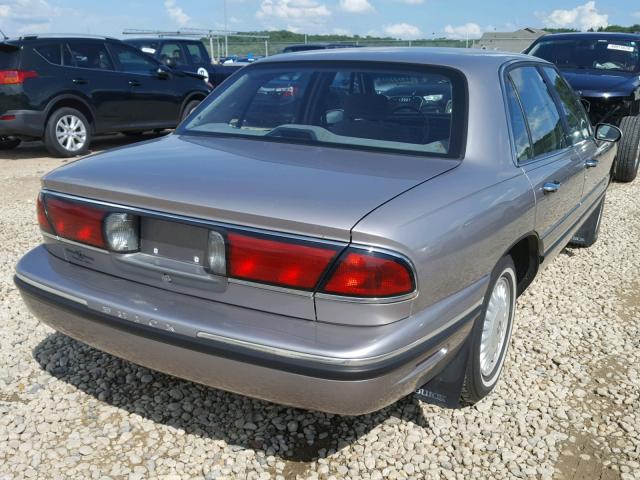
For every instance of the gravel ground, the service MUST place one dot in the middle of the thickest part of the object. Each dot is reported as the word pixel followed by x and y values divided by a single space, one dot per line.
pixel 567 406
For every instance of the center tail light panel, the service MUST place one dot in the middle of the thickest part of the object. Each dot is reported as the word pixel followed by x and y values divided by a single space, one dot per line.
pixel 326 271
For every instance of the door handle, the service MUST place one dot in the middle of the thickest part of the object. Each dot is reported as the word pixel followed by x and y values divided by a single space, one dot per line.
pixel 551 187
pixel 79 81
pixel 591 163
pixel 134 83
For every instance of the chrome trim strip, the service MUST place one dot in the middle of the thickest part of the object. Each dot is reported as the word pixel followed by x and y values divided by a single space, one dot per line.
pixel 194 221
pixel 376 300
pixel 282 352
pixel 266 286
pixel 71 242
pixel 51 290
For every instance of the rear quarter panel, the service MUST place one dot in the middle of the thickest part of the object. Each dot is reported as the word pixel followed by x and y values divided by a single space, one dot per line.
pixel 456 227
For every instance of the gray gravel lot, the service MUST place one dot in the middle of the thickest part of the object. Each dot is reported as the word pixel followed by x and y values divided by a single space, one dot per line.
pixel 568 404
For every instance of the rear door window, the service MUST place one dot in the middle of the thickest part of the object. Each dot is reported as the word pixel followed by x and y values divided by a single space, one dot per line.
pixel 93 55
pixel 518 124
pixel 543 118
pixel 51 53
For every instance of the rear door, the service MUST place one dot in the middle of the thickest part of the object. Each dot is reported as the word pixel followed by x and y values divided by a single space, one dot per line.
pixel 198 58
pixel 551 162
pixel 156 99
pixel 90 72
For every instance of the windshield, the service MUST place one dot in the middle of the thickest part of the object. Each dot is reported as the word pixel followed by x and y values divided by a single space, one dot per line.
pixel 354 104
pixel 599 54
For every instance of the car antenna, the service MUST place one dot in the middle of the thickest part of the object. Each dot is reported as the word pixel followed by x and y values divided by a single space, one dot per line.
pixel 4 37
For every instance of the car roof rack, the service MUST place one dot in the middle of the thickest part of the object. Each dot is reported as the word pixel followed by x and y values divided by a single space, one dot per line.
pixel 28 36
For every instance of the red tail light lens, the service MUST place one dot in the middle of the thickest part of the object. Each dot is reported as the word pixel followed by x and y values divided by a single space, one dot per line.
pixel 43 221
pixel 365 274
pixel 16 77
pixel 76 222
pixel 278 262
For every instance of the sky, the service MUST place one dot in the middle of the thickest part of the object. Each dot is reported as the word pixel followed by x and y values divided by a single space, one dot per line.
pixel 404 19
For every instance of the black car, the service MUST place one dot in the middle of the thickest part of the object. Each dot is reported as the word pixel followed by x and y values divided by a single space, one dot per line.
pixel 184 55
pixel 604 68
pixel 64 90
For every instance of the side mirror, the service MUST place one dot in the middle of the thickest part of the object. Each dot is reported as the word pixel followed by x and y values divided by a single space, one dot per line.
pixel 608 133
pixel 170 62
pixel 162 72
pixel 334 116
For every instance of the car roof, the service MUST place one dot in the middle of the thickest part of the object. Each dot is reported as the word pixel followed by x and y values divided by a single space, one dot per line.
pixel 592 36
pixel 160 39
pixel 452 57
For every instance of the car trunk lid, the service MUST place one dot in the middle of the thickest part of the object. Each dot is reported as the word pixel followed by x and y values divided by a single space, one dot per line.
pixel 300 189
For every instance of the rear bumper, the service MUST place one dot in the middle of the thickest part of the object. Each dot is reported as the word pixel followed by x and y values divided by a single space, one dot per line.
pixel 292 376
pixel 22 123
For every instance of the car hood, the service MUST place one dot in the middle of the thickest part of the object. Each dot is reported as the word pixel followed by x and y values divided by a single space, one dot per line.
pixel 301 189
pixel 598 83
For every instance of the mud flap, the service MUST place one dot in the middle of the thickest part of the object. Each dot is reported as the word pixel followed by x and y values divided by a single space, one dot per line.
pixel 445 388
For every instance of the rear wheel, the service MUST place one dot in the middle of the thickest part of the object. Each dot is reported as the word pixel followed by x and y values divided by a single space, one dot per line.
pixel 491 333
pixel 67 133
pixel 9 143
pixel 628 158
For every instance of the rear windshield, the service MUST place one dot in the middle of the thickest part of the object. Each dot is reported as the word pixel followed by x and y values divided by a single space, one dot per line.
pixel 355 104
pixel 598 54
pixel 9 56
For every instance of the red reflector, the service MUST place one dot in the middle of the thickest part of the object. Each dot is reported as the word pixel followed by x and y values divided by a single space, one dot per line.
pixel 370 275
pixel 43 221
pixel 15 77
pixel 7 117
pixel 278 262
pixel 76 222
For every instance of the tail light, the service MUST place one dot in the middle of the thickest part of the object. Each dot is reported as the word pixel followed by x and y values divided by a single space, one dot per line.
pixel 16 77
pixel 77 222
pixel 361 273
pixel 89 225
pixel 292 264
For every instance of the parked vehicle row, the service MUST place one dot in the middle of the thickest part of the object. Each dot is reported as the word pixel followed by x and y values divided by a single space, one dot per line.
pixel 64 90
pixel 330 230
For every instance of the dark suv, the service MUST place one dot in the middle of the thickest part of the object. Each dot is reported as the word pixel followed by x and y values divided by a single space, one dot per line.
pixel 64 90
pixel 604 68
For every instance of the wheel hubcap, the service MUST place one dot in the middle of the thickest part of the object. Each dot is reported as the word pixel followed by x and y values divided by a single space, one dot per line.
pixel 71 133
pixel 496 326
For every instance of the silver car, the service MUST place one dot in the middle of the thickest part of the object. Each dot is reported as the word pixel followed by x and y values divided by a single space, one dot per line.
pixel 330 230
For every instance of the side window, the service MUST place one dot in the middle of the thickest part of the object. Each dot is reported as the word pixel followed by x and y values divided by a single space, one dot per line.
pixel 579 125
pixel 50 52
pixel 543 118
pixel 197 53
pixel 90 55
pixel 173 51
pixel 518 124
pixel 131 60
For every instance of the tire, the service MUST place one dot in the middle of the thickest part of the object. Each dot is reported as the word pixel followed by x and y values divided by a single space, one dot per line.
pixel 485 363
pixel 588 233
pixel 67 133
pixel 628 158
pixel 9 143
pixel 189 108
